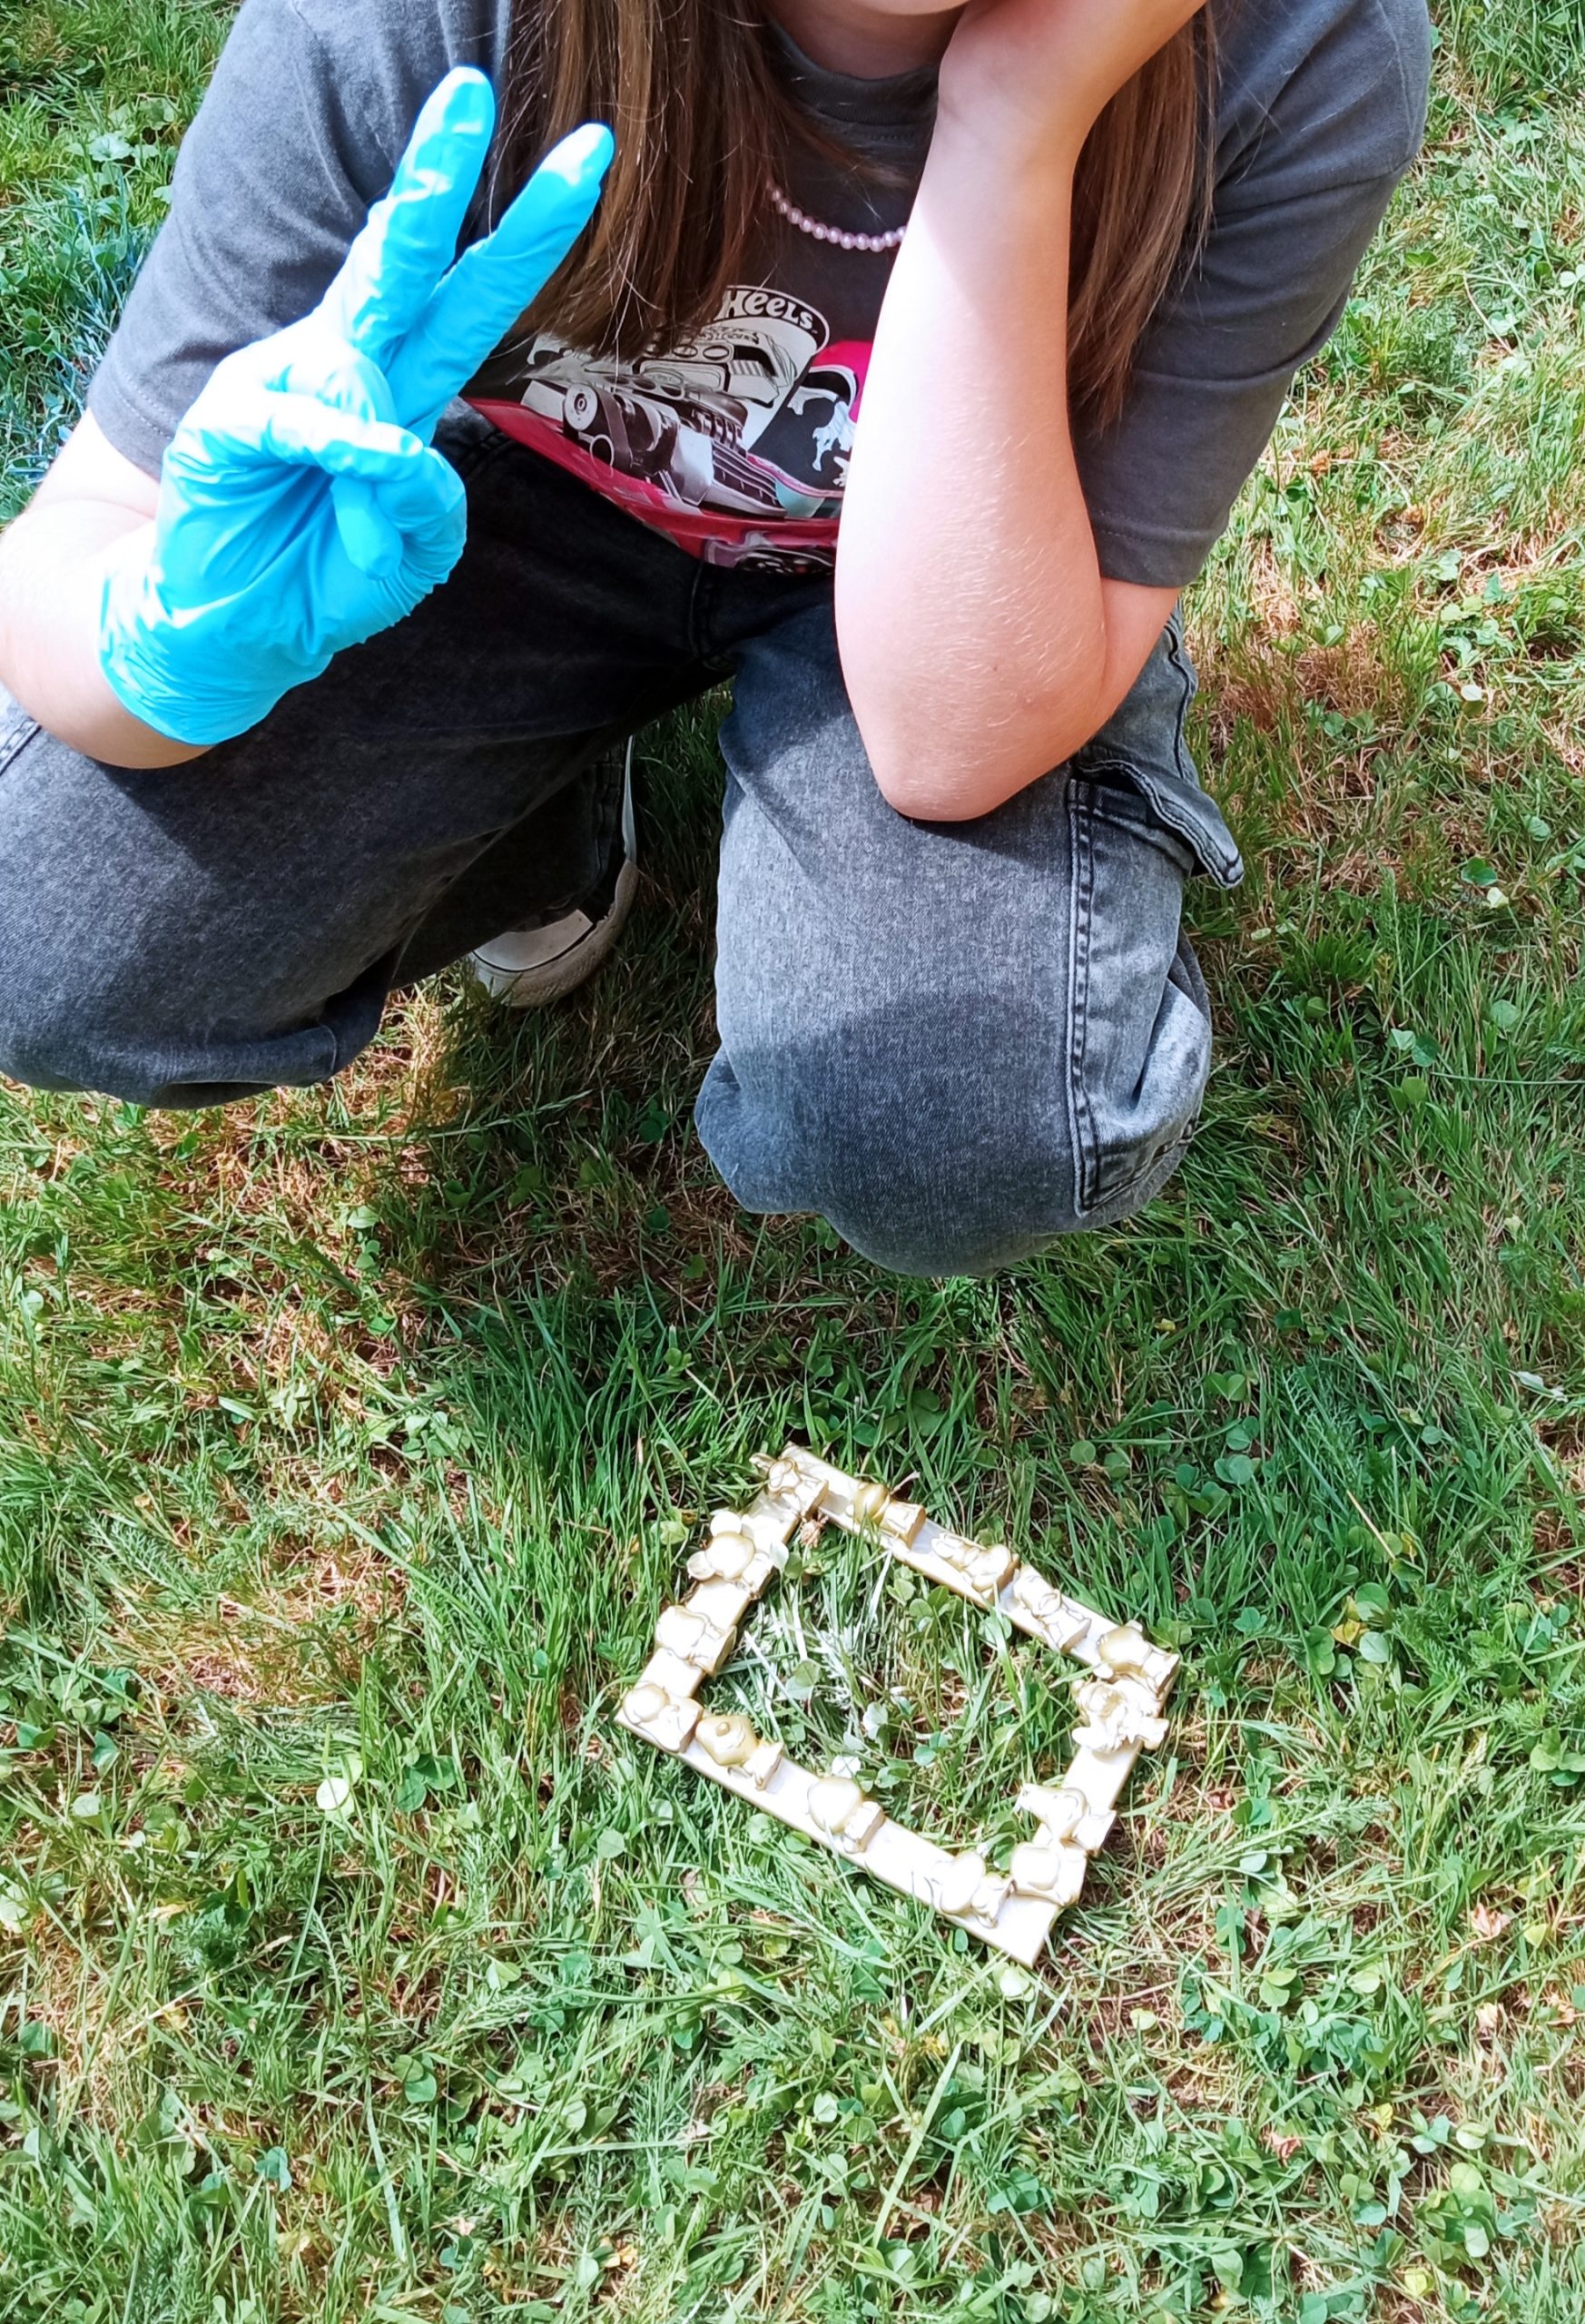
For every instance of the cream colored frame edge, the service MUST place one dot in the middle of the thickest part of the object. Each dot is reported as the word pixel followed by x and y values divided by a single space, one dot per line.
pixel 1122 1699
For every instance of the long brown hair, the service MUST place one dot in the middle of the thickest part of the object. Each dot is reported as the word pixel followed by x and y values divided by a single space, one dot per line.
pixel 701 120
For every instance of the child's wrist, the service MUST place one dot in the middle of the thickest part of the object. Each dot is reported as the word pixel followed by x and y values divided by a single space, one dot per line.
pixel 987 154
pixel 982 120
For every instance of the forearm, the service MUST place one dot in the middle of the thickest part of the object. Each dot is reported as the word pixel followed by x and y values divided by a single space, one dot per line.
pixel 970 607
pixel 52 578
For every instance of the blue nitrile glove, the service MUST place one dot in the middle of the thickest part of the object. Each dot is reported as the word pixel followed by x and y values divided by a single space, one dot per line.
pixel 302 506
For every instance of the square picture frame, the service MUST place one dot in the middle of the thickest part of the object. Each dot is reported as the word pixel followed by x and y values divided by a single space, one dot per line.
pixel 1121 1693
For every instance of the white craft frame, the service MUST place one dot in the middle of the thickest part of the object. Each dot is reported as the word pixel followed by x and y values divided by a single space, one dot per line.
pixel 1123 1698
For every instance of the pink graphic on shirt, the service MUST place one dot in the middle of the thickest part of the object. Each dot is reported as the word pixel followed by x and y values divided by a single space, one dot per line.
pixel 735 444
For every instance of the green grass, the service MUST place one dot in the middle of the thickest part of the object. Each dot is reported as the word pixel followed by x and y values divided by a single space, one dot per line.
pixel 368 1426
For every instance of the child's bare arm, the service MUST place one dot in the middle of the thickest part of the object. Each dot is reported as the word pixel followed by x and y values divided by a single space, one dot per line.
pixel 52 581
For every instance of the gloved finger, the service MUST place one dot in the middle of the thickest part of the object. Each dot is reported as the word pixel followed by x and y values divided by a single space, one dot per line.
pixel 428 506
pixel 481 298
pixel 410 237
pixel 306 358
pixel 260 427
pixel 325 367
pixel 429 493
pixel 419 519
pixel 368 533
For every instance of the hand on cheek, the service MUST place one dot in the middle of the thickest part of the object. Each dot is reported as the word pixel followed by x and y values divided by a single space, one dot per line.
pixel 1047 69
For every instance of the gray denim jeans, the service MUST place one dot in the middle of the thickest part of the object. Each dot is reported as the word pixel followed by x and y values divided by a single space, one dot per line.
pixel 954 1042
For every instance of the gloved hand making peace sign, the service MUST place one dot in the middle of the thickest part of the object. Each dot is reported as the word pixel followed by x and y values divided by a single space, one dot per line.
pixel 302 507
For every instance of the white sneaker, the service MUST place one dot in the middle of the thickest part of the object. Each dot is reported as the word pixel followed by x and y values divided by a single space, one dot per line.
pixel 527 967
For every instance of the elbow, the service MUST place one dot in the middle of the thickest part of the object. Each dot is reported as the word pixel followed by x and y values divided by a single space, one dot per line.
pixel 940 759
pixel 101 730
pixel 930 771
pixel 926 792
pixel 938 778
pixel 902 780
pixel 136 749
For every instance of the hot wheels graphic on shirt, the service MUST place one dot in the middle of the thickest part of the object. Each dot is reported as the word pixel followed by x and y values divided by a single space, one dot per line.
pixel 734 443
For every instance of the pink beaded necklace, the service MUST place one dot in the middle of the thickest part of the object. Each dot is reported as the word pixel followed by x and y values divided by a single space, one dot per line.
pixel 840 236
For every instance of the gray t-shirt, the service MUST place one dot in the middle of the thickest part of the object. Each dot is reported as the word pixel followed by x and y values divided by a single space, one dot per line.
pixel 736 443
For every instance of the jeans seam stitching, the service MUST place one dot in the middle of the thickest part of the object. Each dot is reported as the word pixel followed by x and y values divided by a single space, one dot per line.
pixel 1085 1158
pixel 1089 1194
pixel 11 746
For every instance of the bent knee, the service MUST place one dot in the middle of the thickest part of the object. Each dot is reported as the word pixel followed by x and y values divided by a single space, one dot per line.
pixel 1004 1199
pixel 72 1019
pixel 957 1156
pixel 126 967
pixel 154 1024
pixel 56 1037
pixel 45 1029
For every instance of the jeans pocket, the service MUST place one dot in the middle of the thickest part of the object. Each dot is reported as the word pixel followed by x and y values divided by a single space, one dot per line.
pixel 17 729
pixel 1180 807
pixel 1143 746
pixel 1139 1030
